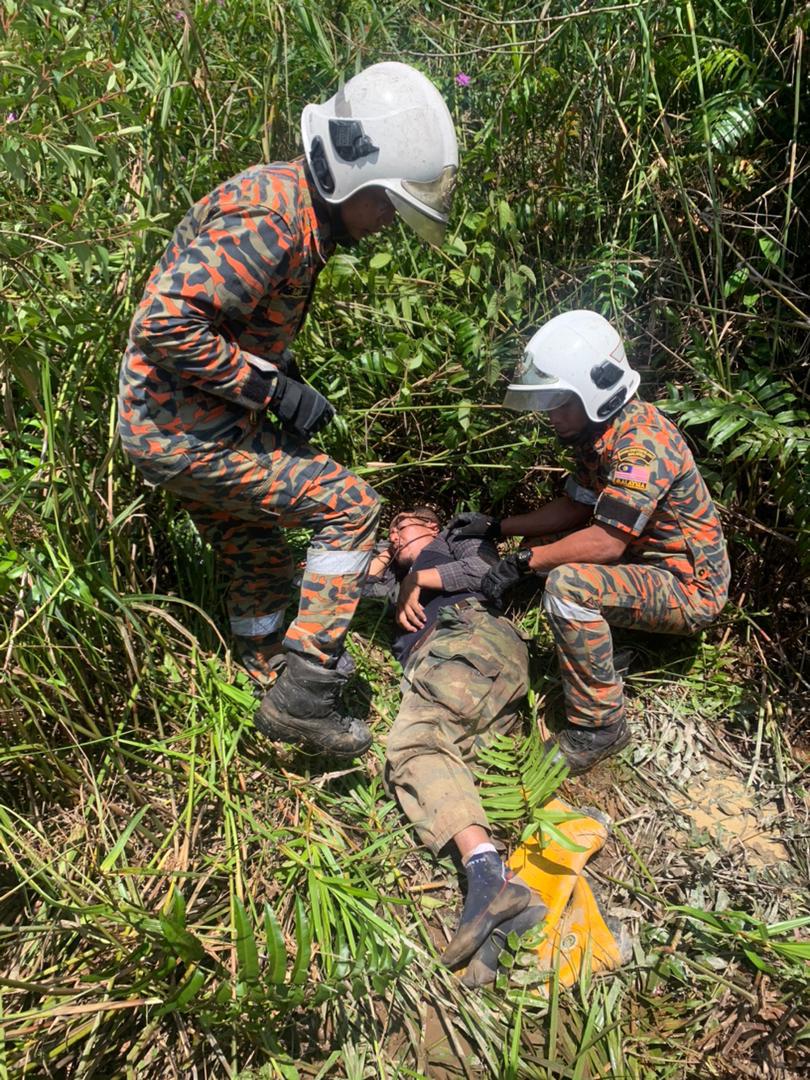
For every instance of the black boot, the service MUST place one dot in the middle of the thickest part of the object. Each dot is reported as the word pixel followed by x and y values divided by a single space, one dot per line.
pixel 584 747
pixel 303 706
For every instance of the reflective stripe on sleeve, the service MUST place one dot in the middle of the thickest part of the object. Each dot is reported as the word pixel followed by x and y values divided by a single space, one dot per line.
pixel 578 493
pixel 567 609
pixel 330 561
pixel 258 626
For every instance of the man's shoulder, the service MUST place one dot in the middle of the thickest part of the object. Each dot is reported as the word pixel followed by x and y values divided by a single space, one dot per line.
pixel 276 188
pixel 641 423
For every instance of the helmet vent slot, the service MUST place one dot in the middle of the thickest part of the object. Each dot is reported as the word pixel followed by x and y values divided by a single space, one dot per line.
pixel 607 408
pixel 320 166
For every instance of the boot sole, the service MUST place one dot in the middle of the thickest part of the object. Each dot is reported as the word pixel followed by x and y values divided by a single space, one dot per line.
pixel 278 731
pixel 468 938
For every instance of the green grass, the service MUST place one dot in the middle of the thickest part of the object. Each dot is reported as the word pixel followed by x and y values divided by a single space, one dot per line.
pixel 174 894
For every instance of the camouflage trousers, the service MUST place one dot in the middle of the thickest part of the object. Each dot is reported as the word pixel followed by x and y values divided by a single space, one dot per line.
pixel 463 684
pixel 582 599
pixel 242 498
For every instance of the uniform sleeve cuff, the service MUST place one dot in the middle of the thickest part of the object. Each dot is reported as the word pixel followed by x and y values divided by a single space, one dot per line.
pixel 621 515
pixel 578 493
pixel 258 388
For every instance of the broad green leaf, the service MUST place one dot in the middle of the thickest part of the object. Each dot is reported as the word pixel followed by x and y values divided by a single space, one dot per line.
pixel 111 858
pixel 303 941
pixel 246 952
pixel 276 950
pixel 770 249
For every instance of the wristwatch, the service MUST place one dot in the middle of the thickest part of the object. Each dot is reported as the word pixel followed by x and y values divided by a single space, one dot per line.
pixel 522 559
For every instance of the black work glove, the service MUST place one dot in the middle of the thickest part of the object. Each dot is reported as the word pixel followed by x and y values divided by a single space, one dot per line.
pixel 472 524
pixel 505 574
pixel 300 408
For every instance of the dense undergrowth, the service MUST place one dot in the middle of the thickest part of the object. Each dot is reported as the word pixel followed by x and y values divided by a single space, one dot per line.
pixel 173 900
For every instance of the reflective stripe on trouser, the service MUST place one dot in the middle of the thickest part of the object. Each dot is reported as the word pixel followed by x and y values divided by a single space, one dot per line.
pixel 463 686
pixel 580 600
pixel 242 499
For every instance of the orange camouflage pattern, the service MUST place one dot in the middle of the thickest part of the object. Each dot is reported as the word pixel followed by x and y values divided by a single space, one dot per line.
pixel 640 477
pixel 220 309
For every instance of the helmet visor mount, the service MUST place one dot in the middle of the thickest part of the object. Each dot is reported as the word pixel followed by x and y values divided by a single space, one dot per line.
pixel 435 196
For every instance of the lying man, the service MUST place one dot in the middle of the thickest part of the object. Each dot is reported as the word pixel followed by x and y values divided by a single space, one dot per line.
pixel 465 676
pixel 643 547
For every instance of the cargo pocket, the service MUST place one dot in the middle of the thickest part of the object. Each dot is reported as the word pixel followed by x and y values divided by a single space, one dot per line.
pixel 454 675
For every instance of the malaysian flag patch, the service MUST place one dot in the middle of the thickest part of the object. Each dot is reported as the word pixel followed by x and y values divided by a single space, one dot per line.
pixel 632 475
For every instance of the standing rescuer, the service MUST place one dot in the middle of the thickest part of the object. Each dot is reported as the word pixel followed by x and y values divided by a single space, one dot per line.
pixel 643 545
pixel 213 408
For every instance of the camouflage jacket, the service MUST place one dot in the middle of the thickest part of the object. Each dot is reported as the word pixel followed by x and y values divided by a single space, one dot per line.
pixel 640 477
pixel 219 311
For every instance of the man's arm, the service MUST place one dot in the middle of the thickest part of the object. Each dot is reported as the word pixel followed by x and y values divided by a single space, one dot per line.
pixel 223 272
pixel 560 515
pixel 595 544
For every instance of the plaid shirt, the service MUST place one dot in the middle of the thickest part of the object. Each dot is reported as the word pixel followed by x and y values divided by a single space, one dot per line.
pixel 469 559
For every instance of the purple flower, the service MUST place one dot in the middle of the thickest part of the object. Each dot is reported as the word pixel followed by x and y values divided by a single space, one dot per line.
pixel 462 79
pixel 179 16
pixel 11 118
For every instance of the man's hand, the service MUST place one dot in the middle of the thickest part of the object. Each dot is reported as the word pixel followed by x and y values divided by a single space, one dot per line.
pixel 470 525
pixel 300 408
pixel 410 613
pixel 505 574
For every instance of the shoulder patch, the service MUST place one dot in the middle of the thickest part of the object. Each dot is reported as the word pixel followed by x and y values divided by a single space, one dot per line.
pixel 634 455
pixel 631 467
pixel 636 477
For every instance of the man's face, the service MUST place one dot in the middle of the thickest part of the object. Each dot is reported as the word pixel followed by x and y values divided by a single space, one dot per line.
pixel 366 212
pixel 408 536
pixel 568 420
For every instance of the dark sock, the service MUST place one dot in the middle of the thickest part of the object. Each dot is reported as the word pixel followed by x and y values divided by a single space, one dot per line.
pixel 492 896
pixel 486 874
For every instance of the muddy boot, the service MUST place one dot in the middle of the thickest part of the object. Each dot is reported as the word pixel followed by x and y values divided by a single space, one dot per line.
pixel 304 706
pixel 483 967
pixel 584 747
pixel 493 895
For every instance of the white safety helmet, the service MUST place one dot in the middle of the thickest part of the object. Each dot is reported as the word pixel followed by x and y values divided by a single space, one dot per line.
pixel 388 127
pixel 576 353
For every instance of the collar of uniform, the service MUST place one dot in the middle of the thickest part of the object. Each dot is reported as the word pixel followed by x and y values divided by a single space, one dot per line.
pixel 316 214
pixel 605 438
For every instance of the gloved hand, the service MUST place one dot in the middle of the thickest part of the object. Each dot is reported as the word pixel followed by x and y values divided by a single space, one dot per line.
pixel 289 366
pixel 505 573
pixel 300 408
pixel 472 524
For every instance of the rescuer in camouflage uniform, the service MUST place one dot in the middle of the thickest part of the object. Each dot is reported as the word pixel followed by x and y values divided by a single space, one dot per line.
pixel 643 546
pixel 465 676
pixel 213 408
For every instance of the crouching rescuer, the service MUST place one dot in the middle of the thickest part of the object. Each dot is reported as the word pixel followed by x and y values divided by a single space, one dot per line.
pixel 642 546
pixel 213 408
